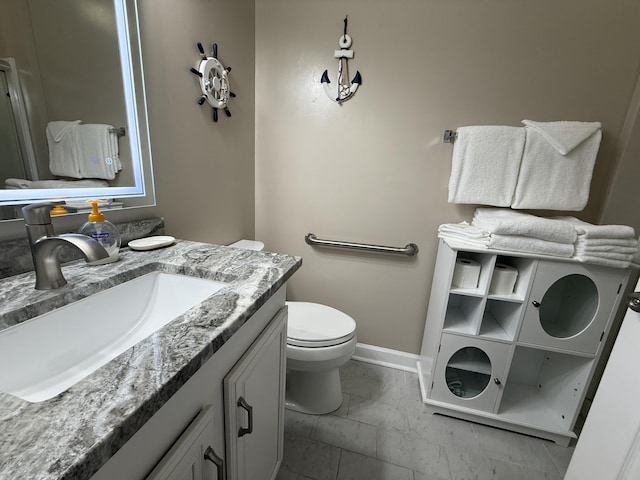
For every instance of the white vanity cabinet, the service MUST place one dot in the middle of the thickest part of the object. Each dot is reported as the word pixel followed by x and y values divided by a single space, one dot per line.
pixel 519 359
pixel 205 431
pixel 254 406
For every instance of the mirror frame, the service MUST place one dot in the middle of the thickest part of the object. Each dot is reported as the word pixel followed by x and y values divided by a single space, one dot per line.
pixel 129 45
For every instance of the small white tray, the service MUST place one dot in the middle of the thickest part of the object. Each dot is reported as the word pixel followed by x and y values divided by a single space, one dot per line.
pixel 150 243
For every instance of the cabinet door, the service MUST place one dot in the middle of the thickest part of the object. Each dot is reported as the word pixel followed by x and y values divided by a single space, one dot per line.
pixel 570 306
pixel 469 372
pixel 187 457
pixel 254 406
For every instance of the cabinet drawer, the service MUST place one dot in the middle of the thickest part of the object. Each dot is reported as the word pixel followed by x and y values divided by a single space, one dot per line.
pixel 469 372
pixel 570 306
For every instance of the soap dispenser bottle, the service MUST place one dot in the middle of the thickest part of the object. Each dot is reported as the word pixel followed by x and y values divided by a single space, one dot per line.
pixel 105 232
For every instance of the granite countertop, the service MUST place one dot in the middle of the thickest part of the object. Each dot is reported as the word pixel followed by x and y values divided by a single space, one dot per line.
pixel 73 434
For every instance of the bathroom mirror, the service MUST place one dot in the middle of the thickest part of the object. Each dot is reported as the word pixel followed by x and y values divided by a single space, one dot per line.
pixel 72 62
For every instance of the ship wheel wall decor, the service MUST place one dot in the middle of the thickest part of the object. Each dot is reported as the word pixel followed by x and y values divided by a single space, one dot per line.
pixel 344 89
pixel 214 81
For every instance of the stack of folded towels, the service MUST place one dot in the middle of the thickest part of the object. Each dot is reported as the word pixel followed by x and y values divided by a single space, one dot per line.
pixel 610 245
pixel 568 237
pixel 505 229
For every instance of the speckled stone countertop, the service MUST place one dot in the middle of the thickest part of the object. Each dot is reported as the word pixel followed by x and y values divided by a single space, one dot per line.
pixel 73 434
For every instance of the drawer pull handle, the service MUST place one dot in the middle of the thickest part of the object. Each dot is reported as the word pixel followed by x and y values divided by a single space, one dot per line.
pixel 210 454
pixel 497 381
pixel 243 404
pixel 535 303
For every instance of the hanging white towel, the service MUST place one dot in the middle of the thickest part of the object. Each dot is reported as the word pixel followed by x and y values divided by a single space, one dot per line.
pixel 62 139
pixel 485 165
pixel 564 136
pixel 97 153
pixel 551 179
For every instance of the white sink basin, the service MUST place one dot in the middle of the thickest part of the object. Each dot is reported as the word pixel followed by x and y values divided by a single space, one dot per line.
pixel 45 355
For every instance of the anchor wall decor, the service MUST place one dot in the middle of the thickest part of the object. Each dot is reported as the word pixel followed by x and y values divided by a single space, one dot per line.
pixel 214 81
pixel 344 89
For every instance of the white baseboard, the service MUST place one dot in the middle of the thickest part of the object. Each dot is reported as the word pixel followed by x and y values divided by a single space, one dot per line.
pixel 385 357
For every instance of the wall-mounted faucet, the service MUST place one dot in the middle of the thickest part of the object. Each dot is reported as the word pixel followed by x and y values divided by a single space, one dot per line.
pixel 45 245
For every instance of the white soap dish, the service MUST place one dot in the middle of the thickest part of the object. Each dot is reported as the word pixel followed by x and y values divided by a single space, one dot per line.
pixel 150 243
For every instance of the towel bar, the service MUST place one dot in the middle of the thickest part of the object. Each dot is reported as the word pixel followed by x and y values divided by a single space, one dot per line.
pixel 410 250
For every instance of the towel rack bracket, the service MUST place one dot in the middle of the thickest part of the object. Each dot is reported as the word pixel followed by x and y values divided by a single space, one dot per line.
pixel 449 136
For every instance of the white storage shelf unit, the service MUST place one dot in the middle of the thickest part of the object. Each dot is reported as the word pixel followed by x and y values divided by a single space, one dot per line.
pixel 520 359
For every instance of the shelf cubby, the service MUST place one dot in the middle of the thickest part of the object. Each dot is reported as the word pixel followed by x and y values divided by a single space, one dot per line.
pixel 464 314
pixel 545 388
pixel 500 320
pixel 486 262
pixel 525 268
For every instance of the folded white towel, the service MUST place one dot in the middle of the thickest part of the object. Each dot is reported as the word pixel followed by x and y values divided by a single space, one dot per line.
pixel 627 257
pixel 96 155
pixel 531 245
pixel 463 229
pixel 62 139
pixel 472 235
pixel 485 165
pixel 607 262
pixel 465 234
pixel 595 242
pixel 590 231
pixel 550 179
pixel 504 221
pixel 23 183
pixel 14 183
pixel 564 136
pixel 600 249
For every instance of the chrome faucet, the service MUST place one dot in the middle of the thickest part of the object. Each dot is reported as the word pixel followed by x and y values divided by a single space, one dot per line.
pixel 45 245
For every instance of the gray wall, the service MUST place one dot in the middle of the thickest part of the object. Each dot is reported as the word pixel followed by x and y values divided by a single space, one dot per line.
pixel 204 171
pixel 375 169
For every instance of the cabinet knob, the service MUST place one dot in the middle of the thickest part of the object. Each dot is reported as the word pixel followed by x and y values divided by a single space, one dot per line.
pixel 535 303
pixel 634 301
pixel 210 455
pixel 497 381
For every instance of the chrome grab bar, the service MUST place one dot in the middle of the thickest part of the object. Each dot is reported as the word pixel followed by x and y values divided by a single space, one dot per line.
pixel 410 250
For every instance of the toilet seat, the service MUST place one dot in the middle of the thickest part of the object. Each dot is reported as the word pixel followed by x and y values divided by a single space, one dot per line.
pixel 312 325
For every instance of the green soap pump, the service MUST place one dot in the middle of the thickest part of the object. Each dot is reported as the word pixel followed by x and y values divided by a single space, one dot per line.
pixel 105 232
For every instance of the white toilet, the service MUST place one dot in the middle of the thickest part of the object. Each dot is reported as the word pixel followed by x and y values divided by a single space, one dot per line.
pixel 320 339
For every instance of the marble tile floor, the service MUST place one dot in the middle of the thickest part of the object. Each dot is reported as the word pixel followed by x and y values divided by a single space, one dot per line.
pixel 382 433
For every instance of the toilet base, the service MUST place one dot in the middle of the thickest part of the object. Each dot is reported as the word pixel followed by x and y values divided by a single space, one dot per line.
pixel 315 393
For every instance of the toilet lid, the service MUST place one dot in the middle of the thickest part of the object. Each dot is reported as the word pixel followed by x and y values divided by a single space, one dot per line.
pixel 315 325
